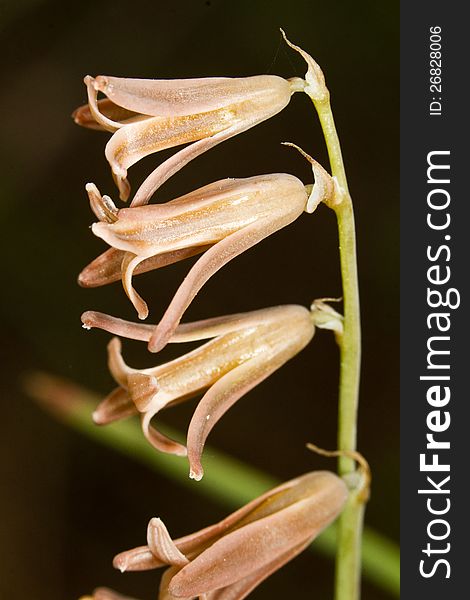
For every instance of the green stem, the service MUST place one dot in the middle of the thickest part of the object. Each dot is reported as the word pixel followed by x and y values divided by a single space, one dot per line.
pixel 348 557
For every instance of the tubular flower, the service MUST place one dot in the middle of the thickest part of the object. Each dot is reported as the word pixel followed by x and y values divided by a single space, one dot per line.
pixel 246 348
pixel 223 219
pixel 147 116
pixel 226 561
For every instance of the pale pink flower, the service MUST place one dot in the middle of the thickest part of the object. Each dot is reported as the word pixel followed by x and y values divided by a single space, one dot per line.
pixel 223 219
pixel 226 561
pixel 147 116
pixel 246 348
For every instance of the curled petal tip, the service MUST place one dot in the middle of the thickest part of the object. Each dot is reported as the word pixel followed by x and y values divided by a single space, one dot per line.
pixel 114 345
pixel 143 314
pixel 96 417
pixel 78 117
pixel 196 473
pixel 100 82
pixel 120 562
pixel 83 279
pixel 155 347
pixel 87 319
pixel 100 416
pixel 162 546
pixel 158 342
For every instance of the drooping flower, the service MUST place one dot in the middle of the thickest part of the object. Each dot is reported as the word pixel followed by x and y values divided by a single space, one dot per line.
pixel 224 218
pixel 246 348
pixel 147 116
pixel 226 561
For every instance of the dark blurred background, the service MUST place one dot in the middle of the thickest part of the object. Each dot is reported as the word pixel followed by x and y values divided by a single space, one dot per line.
pixel 68 504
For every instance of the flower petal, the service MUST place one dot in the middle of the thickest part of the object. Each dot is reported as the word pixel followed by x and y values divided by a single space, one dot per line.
pixel 83 117
pixel 221 396
pixel 102 206
pixel 129 263
pixel 137 559
pixel 118 368
pixel 120 327
pixel 103 121
pixel 106 268
pixel 162 546
pixel 185 332
pixel 134 142
pixel 177 97
pixel 158 440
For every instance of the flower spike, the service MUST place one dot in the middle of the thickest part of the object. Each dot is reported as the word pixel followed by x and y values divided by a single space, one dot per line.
pixel 244 349
pixel 227 560
pixel 147 116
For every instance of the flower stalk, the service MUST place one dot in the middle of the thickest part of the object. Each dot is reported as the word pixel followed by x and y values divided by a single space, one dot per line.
pixel 348 558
